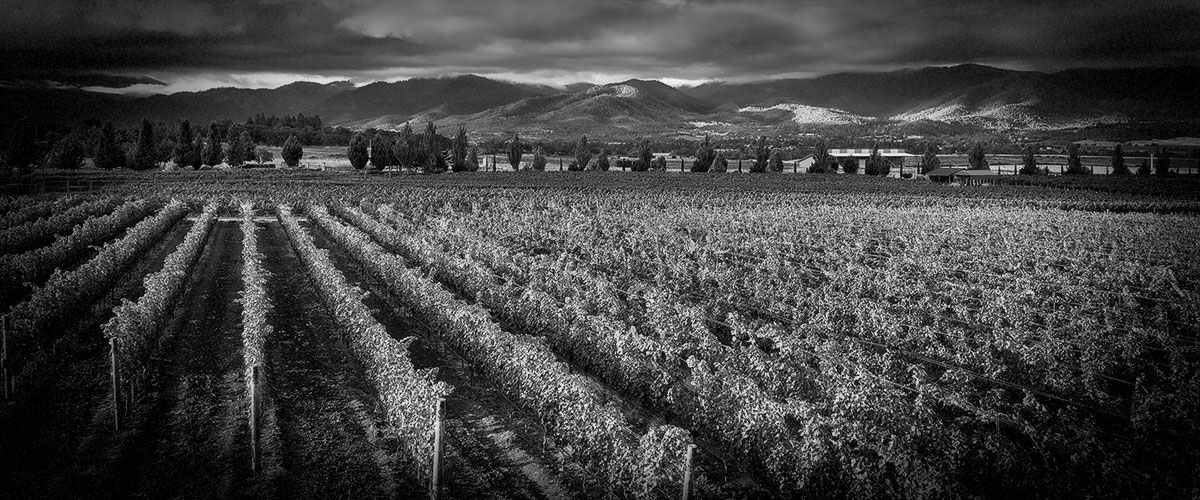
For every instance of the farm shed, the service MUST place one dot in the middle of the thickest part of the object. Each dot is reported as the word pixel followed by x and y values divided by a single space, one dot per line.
pixel 976 177
pixel 944 175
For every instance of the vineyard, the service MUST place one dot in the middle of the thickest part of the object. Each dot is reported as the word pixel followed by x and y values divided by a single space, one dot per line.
pixel 301 336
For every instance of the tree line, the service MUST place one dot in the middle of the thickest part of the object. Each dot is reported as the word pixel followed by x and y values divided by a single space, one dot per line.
pixel 238 144
pixel 977 160
pixel 151 144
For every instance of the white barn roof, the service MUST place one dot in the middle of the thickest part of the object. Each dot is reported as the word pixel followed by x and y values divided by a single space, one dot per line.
pixel 864 152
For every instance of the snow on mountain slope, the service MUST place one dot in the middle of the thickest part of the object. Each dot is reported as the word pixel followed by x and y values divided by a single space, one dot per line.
pixel 1005 115
pixel 805 114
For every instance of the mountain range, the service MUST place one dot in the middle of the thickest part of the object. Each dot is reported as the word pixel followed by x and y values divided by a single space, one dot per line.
pixel 969 95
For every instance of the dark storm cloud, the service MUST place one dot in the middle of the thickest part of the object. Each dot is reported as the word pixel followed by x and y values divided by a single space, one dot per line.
pixel 78 79
pixel 654 38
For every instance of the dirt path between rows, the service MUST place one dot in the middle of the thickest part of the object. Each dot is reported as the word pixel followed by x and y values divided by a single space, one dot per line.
pixel 179 441
pixel 494 449
pixel 324 408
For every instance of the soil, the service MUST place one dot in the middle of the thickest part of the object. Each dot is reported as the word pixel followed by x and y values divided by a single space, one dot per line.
pixel 182 435
pixel 494 449
pixel 326 417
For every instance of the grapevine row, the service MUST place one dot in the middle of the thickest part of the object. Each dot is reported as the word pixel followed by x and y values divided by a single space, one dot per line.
pixel 409 396
pixel 902 306
pixel 528 370
pixel 724 405
pixel 42 231
pixel 255 302
pixel 728 402
pixel 136 325
pixel 19 270
pixel 30 211
pixel 67 293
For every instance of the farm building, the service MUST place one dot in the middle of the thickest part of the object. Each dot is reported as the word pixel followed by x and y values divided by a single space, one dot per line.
pixel 976 177
pixel 963 176
pixel 897 157
pixel 944 175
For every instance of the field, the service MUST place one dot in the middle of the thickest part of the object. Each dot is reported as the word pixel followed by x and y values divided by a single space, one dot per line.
pixel 301 334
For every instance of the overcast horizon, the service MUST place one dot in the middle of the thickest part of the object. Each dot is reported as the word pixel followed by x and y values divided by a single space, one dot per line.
pixel 166 46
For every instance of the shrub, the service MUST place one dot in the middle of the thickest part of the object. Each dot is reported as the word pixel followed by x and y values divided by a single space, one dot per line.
pixel 1029 164
pixel 214 153
pixel 1144 168
pixel 977 157
pixel 929 159
pixel 1074 163
pixel 206 153
pixel 514 152
pixel 66 154
pixel 184 146
pixel 233 156
pixel 775 164
pixel 434 156
pixel 292 152
pixel 404 149
pixel 381 152
pixel 644 152
pixel 263 155
pixel 197 149
pixel 583 154
pixel 823 163
pixel 458 150
pixel 539 160
pixel 762 154
pixel 705 155
pixel 472 160
pixel 356 151
pixel 1163 165
pixel 249 149
pixel 1118 161
pixel 885 168
pixel 659 163
pixel 849 164
pixel 143 153
pixel 602 160
pixel 875 164
pixel 108 154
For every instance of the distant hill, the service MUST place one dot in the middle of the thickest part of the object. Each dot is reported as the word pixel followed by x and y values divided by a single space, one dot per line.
pixel 966 97
pixel 232 103
pixel 981 95
pixel 436 97
pixel 629 106
pixel 74 105
pixel 337 103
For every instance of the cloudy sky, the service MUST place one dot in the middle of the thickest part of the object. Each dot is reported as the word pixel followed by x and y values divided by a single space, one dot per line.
pixel 171 45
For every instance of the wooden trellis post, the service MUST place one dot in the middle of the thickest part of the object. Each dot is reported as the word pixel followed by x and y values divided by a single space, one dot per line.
pixel 4 354
pixel 687 472
pixel 255 422
pixel 116 384
pixel 439 428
